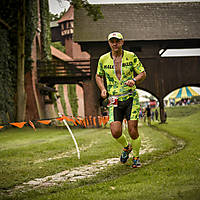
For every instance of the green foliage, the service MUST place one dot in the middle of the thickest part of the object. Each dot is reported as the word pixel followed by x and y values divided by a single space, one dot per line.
pixel 58 46
pixel 31 25
pixel 7 79
pixel 45 32
pixel 8 13
pixel 8 41
pixel 54 97
pixel 56 17
pixel 8 58
pixel 73 99
pixel 93 11
pixel 55 107
pixel 62 98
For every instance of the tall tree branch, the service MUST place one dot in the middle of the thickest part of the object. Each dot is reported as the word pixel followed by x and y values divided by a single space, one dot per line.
pixel 5 24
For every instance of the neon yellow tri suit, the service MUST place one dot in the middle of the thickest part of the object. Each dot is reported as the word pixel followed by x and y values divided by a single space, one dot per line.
pixel 130 63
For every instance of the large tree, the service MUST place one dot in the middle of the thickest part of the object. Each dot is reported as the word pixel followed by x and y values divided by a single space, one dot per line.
pixel 18 26
pixel 21 94
pixel 17 32
pixel 93 11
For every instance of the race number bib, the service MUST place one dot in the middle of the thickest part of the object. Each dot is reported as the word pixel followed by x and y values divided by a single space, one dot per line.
pixel 113 101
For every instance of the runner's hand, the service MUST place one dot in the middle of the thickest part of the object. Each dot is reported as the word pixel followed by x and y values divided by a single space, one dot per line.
pixel 130 83
pixel 104 93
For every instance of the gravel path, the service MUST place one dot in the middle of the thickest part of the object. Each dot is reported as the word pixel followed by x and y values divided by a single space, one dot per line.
pixel 77 173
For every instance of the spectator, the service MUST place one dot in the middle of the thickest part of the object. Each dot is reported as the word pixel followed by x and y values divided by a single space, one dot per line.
pixel 140 114
pixel 156 114
pixel 152 115
pixel 148 111
pixel 165 115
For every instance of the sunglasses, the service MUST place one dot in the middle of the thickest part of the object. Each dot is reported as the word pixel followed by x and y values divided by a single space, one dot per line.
pixel 113 40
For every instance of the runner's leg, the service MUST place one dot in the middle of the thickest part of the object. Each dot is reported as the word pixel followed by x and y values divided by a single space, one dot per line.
pixel 132 115
pixel 116 116
pixel 135 138
pixel 116 130
pixel 115 119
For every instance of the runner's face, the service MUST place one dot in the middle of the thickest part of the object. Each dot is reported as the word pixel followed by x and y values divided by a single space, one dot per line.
pixel 115 44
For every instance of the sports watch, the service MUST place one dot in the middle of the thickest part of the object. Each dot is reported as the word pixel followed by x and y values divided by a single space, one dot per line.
pixel 134 80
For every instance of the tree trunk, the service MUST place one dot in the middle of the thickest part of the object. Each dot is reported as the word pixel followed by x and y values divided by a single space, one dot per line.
pixel 21 95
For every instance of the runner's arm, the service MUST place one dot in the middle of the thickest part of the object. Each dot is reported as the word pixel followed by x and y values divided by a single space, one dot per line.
pixel 139 78
pixel 100 83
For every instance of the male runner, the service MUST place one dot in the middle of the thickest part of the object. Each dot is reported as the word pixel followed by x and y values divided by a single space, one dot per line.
pixel 117 66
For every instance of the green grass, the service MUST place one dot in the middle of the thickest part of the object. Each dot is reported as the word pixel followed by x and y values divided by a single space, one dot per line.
pixel 168 175
pixel 181 111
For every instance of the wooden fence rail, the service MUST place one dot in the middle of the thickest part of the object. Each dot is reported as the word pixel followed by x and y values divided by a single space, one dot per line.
pixel 60 72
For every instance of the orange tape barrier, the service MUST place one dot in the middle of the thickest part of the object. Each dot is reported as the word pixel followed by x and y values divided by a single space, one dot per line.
pixel 90 121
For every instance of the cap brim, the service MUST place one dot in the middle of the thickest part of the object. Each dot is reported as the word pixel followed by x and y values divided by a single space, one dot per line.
pixel 115 37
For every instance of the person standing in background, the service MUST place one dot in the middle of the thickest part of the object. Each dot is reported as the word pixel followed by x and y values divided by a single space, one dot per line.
pixel 156 114
pixel 148 111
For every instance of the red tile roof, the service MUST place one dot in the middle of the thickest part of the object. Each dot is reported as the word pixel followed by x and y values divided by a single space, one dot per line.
pixel 59 54
pixel 69 15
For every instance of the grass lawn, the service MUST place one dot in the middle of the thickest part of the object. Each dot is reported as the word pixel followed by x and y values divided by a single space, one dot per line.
pixel 167 172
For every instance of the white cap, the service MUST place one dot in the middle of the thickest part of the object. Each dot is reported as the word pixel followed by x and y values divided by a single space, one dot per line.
pixel 115 35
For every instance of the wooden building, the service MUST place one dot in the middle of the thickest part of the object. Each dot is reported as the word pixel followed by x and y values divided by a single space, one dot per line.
pixel 147 29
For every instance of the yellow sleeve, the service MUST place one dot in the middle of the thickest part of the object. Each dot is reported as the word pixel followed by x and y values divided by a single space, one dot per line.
pixel 100 70
pixel 137 65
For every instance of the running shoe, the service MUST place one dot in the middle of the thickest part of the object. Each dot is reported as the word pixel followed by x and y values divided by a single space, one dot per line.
pixel 125 153
pixel 136 162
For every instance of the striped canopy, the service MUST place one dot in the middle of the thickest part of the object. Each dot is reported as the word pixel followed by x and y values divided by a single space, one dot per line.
pixel 185 92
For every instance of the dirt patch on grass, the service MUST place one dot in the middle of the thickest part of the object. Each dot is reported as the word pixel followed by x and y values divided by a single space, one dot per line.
pixel 66 154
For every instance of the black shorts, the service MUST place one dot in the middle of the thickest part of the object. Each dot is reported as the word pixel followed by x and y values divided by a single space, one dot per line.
pixel 128 109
